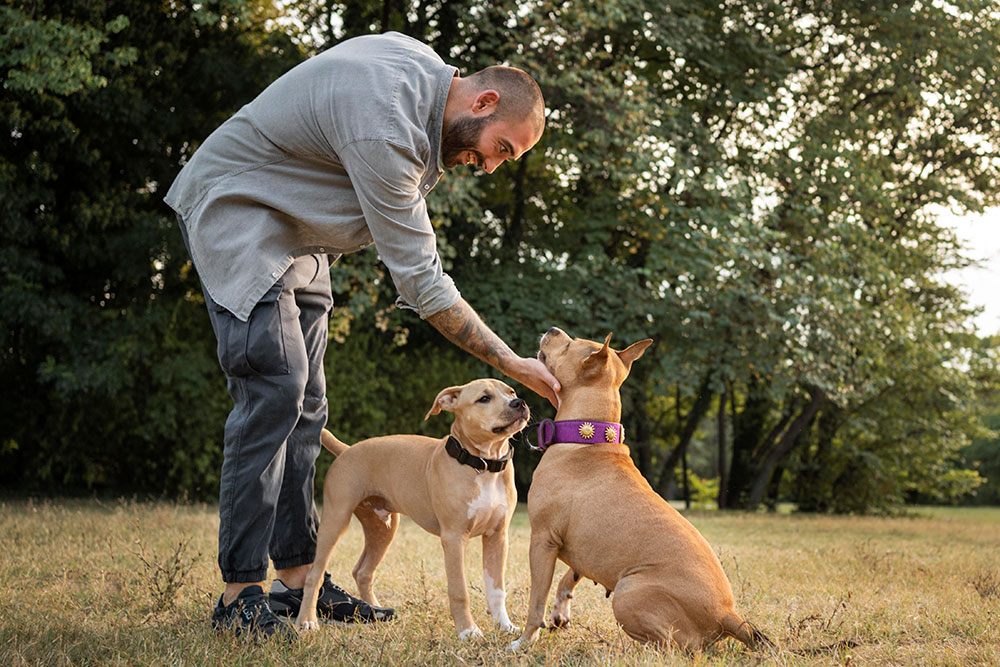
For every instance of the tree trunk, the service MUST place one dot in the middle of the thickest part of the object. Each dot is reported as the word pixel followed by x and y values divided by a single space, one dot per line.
pixel 721 433
pixel 748 434
pixel 694 416
pixel 785 445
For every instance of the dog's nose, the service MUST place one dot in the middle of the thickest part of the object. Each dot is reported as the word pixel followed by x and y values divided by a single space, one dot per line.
pixel 553 331
pixel 517 404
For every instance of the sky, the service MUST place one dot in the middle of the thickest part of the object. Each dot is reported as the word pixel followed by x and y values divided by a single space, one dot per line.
pixel 981 237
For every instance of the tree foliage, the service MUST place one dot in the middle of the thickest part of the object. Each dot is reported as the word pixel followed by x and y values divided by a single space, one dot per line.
pixel 752 183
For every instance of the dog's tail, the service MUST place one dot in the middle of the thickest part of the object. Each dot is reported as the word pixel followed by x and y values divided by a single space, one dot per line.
pixel 746 632
pixel 329 440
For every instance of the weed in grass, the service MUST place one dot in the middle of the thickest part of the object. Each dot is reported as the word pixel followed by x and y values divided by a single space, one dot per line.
pixel 165 576
pixel 987 584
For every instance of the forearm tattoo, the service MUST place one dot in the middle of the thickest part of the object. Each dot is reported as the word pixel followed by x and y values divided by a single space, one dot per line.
pixel 462 326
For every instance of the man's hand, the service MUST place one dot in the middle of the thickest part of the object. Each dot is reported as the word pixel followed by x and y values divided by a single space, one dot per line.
pixel 535 376
pixel 462 326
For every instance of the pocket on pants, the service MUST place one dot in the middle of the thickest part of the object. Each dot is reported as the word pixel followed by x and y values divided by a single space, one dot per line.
pixel 257 346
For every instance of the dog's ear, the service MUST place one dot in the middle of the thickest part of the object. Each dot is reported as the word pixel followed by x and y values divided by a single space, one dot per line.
pixel 633 352
pixel 600 356
pixel 445 401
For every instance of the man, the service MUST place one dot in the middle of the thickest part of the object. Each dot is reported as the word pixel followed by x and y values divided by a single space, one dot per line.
pixel 334 155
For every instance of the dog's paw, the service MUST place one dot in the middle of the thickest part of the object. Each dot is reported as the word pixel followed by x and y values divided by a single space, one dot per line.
pixel 557 621
pixel 306 625
pixel 474 631
pixel 511 628
pixel 514 645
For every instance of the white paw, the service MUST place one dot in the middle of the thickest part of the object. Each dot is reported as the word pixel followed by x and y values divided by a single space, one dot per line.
pixel 307 626
pixel 511 628
pixel 474 631
pixel 514 645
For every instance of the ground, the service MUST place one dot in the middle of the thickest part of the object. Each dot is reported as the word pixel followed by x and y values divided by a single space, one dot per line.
pixel 124 582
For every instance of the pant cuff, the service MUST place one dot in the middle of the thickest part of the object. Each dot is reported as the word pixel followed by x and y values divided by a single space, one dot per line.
pixel 294 561
pixel 243 576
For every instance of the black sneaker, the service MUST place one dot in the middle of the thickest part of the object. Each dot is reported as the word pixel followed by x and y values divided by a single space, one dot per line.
pixel 334 603
pixel 249 613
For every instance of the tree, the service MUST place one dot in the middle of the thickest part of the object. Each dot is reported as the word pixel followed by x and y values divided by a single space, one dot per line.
pixel 110 375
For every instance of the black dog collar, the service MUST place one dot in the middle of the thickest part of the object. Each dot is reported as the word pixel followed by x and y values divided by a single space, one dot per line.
pixel 459 453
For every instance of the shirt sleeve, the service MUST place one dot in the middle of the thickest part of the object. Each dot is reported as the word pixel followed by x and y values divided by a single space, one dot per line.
pixel 386 179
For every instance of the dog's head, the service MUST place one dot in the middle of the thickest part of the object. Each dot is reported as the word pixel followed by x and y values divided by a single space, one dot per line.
pixel 485 409
pixel 579 362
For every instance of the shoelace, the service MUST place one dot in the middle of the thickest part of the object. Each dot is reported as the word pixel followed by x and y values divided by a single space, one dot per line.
pixel 255 608
pixel 359 604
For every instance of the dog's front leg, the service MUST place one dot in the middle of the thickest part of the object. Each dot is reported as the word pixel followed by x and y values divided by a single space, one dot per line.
pixel 542 560
pixel 458 592
pixel 494 563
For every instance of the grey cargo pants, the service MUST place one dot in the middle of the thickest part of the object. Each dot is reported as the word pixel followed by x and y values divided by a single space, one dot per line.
pixel 273 364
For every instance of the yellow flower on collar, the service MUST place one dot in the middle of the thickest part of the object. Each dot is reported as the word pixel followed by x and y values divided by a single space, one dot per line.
pixel 610 434
pixel 587 430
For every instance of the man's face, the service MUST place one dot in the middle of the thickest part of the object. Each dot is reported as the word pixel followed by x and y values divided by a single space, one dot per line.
pixel 484 142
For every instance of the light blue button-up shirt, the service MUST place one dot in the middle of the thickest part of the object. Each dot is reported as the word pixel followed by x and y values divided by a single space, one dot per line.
pixel 337 153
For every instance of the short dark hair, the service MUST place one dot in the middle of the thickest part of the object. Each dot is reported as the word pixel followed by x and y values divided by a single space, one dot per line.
pixel 520 97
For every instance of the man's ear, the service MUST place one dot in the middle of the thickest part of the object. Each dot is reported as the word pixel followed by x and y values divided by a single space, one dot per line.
pixel 485 101
pixel 599 357
pixel 445 401
pixel 633 352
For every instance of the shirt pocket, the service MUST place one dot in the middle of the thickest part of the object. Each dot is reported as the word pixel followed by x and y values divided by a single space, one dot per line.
pixel 257 346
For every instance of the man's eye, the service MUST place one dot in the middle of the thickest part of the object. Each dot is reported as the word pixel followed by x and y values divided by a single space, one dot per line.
pixel 484 399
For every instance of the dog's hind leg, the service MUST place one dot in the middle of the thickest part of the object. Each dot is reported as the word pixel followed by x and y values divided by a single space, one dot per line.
pixel 333 524
pixel 648 613
pixel 379 533
pixel 559 616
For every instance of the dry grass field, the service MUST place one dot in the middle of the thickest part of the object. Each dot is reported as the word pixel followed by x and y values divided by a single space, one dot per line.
pixel 90 582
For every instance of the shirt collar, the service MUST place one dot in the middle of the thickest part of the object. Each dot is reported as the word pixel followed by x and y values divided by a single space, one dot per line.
pixel 435 123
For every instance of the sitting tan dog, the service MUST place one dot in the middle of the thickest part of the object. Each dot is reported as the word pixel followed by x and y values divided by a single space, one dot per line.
pixel 591 508
pixel 457 487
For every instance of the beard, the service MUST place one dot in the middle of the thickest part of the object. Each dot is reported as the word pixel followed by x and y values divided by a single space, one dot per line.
pixel 462 135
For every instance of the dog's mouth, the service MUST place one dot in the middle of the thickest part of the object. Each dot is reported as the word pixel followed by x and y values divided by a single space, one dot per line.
pixel 541 356
pixel 523 421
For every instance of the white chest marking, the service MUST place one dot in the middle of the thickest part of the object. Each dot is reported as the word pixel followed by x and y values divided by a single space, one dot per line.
pixel 490 505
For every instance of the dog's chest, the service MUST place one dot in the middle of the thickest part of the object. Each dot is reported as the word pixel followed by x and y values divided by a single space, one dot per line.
pixel 488 506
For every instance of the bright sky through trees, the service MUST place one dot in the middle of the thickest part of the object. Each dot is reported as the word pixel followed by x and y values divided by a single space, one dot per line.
pixel 981 236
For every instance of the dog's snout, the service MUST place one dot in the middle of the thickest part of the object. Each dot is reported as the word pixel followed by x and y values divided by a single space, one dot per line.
pixel 553 331
pixel 517 403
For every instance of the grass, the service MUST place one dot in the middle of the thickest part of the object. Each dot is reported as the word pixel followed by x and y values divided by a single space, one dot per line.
pixel 133 583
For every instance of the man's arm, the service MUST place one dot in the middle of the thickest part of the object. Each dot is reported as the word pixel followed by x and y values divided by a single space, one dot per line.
pixel 462 326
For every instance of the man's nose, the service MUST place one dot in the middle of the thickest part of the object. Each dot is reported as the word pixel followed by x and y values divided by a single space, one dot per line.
pixel 491 165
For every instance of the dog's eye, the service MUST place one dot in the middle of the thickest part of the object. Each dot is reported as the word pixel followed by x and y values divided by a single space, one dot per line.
pixel 485 399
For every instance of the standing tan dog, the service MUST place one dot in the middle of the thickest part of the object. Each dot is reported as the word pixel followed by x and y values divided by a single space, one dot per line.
pixel 590 507
pixel 456 487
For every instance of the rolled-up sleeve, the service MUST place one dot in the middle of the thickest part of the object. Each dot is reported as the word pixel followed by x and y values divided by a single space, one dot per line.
pixel 386 179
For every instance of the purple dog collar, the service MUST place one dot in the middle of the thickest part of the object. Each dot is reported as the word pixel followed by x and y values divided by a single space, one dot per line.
pixel 579 431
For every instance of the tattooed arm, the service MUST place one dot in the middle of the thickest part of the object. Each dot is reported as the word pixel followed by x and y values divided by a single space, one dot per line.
pixel 462 326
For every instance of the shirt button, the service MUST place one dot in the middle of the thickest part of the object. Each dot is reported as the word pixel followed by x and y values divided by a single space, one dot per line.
pixel 427 187
pixel 274 274
pixel 322 250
